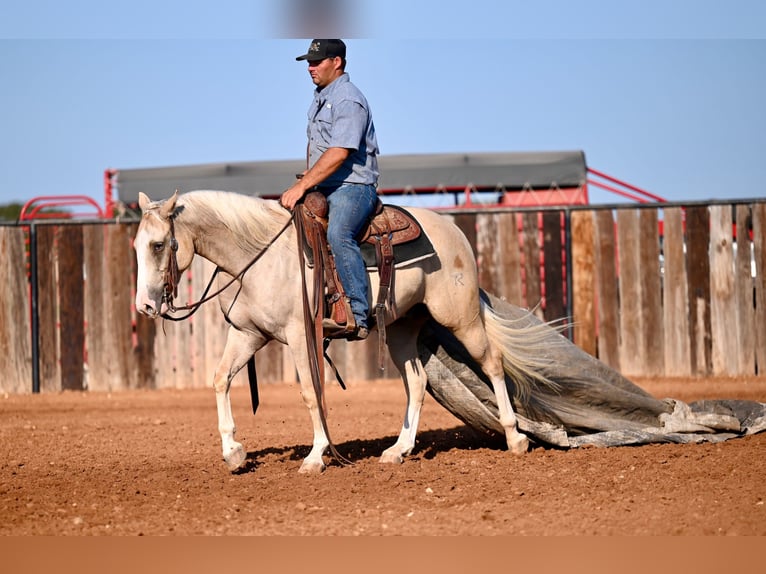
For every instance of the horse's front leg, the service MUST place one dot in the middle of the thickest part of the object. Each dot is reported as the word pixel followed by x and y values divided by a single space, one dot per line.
pixel 313 463
pixel 240 346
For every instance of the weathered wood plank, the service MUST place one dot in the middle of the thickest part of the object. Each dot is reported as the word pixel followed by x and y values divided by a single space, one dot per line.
pixel 531 252
pixel 71 308
pixel 676 296
pixel 97 333
pixel 607 290
pixel 583 278
pixel 745 299
pixel 118 300
pixel 15 325
pixel 652 332
pixel 165 355
pixel 632 349
pixel 143 351
pixel 499 255
pixel 553 258
pixel 49 371
pixel 698 276
pixel 759 254
pixel 510 259
pixel 488 249
pixel 723 303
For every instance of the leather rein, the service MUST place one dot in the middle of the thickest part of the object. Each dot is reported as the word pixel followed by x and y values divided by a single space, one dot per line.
pixel 172 275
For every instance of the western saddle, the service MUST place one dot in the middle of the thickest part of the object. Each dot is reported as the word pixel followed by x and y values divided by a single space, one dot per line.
pixel 388 227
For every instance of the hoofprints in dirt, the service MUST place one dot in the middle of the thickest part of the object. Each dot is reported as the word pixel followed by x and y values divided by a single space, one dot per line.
pixel 589 403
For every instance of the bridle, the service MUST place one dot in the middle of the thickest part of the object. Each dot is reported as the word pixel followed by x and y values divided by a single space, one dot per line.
pixel 172 275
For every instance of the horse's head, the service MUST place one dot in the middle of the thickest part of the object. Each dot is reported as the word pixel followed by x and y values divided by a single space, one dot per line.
pixel 161 255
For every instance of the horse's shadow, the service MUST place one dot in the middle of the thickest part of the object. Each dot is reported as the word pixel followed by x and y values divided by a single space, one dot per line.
pixel 429 444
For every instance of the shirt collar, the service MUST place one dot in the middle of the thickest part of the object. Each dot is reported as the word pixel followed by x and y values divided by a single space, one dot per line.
pixel 328 89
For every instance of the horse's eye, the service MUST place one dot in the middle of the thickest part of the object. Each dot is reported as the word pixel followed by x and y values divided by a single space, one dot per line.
pixel 158 247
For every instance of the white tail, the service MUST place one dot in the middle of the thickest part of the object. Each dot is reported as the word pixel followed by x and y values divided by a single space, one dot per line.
pixel 525 344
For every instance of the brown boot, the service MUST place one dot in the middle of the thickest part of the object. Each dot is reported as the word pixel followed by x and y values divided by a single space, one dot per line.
pixel 333 330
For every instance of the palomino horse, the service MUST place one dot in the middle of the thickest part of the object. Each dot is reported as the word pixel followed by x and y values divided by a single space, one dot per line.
pixel 231 230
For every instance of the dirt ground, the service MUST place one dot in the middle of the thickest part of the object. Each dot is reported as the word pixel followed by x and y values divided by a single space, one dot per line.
pixel 148 463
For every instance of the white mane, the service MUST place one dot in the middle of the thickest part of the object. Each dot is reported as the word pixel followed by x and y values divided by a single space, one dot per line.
pixel 253 221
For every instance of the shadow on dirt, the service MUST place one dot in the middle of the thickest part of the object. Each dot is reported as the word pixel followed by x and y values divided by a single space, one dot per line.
pixel 428 445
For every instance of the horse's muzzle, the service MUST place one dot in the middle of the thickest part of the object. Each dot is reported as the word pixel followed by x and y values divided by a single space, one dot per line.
pixel 150 307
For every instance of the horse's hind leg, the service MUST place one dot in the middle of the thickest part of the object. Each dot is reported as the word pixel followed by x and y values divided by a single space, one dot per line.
pixel 402 338
pixel 474 338
pixel 240 346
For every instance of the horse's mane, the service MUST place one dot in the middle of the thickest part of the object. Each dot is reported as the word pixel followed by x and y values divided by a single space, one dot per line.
pixel 253 221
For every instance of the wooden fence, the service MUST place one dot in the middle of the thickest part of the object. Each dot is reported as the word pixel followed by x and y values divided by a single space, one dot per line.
pixel 689 301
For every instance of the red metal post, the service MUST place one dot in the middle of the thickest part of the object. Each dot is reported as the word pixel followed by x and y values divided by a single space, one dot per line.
pixel 109 175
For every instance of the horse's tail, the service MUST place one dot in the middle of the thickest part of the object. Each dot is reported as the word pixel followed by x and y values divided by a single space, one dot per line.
pixel 527 346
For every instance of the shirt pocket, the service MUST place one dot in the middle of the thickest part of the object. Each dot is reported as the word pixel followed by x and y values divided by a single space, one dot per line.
pixel 323 125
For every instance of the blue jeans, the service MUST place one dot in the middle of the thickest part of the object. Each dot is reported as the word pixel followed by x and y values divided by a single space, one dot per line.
pixel 350 207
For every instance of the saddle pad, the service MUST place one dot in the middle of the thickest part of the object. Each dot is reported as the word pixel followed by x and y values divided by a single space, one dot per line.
pixel 409 252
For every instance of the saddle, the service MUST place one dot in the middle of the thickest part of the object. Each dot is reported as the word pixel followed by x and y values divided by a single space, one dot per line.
pixel 388 227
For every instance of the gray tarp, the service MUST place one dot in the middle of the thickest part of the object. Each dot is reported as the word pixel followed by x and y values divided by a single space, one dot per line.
pixel 593 404
pixel 510 171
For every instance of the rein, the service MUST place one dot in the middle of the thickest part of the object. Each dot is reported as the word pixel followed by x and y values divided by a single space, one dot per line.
pixel 170 289
pixel 316 347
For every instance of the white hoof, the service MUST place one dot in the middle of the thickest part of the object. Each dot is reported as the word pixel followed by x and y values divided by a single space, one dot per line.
pixel 519 444
pixel 236 458
pixel 312 467
pixel 391 456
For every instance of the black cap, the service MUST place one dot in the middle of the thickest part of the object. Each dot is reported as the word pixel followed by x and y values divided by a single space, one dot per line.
pixel 321 49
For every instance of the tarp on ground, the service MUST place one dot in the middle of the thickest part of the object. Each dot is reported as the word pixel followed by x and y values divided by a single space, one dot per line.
pixel 592 404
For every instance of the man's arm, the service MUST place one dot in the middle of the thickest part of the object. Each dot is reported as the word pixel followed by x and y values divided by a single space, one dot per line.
pixel 325 166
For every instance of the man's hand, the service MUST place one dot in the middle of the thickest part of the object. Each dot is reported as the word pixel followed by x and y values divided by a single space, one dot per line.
pixel 328 162
pixel 292 196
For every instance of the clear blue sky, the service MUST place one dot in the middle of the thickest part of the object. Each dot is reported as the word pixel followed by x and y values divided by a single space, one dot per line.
pixel 668 95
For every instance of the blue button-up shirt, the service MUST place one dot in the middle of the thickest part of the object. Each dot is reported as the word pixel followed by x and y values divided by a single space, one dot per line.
pixel 340 116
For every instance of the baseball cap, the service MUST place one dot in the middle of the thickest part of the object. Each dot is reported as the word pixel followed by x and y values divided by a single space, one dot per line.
pixel 321 49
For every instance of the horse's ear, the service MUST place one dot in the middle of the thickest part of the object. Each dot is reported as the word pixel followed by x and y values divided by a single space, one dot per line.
pixel 167 208
pixel 143 201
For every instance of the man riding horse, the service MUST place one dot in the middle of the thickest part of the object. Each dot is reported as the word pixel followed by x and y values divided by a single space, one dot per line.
pixel 342 164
